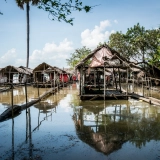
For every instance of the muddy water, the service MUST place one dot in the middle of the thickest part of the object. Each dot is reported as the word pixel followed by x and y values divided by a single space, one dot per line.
pixel 153 91
pixel 63 127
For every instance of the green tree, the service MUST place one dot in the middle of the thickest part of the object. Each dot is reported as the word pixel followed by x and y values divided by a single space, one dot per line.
pixel 77 56
pixel 118 42
pixel 136 37
pixel 138 44
pixel 153 41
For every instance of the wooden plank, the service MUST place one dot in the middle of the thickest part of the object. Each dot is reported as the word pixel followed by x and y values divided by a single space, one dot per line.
pixel 94 97
pixel 16 109
pixel 113 95
pixel 154 100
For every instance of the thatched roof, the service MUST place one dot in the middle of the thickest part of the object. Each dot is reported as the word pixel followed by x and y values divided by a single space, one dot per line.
pixel 59 70
pixel 104 55
pixel 41 67
pixel 46 68
pixel 29 70
pixel 13 69
pixel 70 71
pixel 56 69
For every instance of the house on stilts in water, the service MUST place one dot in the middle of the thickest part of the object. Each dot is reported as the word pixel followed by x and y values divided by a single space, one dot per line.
pixel 101 74
pixel 46 75
pixel 15 75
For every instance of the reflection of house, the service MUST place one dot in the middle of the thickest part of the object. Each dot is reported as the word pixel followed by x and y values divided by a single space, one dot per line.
pixel 103 76
pixel 46 107
pixel 109 125
pixel 14 74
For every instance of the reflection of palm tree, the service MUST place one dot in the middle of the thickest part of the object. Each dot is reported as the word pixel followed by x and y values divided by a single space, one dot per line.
pixel 20 4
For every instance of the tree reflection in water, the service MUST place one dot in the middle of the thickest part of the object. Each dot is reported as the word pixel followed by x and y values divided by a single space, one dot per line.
pixel 106 126
pixel 48 130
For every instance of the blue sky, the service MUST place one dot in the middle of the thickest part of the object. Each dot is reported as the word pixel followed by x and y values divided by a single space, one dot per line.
pixel 53 41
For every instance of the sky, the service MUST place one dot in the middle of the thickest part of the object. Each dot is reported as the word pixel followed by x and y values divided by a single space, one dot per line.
pixel 53 42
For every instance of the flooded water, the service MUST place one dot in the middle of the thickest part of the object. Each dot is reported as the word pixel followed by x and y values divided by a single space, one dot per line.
pixel 63 127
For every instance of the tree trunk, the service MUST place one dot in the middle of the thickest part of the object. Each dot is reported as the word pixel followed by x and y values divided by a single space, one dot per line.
pixel 27 14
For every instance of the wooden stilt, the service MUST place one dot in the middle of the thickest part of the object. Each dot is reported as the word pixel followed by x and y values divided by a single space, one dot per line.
pixel 127 83
pixel 119 79
pixel 104 84
pixel 115 78
pixel 94 97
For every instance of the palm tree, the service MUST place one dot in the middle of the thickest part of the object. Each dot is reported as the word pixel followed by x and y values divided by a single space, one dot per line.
pixel 21 4
pixel 57 10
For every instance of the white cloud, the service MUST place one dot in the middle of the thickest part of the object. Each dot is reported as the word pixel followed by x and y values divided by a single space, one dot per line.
pixel 8 58
pixel 115 21
pixel 91 38
pixel 51 53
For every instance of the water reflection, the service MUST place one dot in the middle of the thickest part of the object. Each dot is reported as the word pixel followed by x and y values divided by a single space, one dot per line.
pixel 143 90
pixel 106 126
pixel 64 127
pixel 19 96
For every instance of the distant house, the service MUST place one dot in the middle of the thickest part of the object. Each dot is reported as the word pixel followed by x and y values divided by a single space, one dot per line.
pixel 29 77
pixel 12 74
pixel 45 73
pixel 39 72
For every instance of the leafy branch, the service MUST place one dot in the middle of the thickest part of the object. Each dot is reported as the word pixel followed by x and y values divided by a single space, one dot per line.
pixel 61 11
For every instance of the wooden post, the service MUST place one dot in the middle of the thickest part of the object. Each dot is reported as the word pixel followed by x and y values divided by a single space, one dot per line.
pixel 115 81
pixel 105 124
pixel 80 87
pixel 142 88
pixel 26 93
pixel 94 78
pixel 12 99
pixel 133 83
pixel 34 77
pixel 54 79
pixel 127 82
pixel 119 79
pixel 150 85
pixel 9 75
pixel 83 74
pixel 104 84
pixel 63 79
pixel 38 89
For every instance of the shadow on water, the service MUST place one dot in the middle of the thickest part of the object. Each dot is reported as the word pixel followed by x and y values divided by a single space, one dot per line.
pixel 63 127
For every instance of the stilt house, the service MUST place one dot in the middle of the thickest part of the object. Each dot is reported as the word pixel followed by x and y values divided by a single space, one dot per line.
pixel 101 76
pixel 49 75
pixel 12 74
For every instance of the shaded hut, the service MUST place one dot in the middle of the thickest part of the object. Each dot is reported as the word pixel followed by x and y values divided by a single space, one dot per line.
pixel 63 75
pixel 71 74
pixel 39 74
pixel 49 75
pixel 105 64
pixel 29 77
pixel 43 74
pixel 12 74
